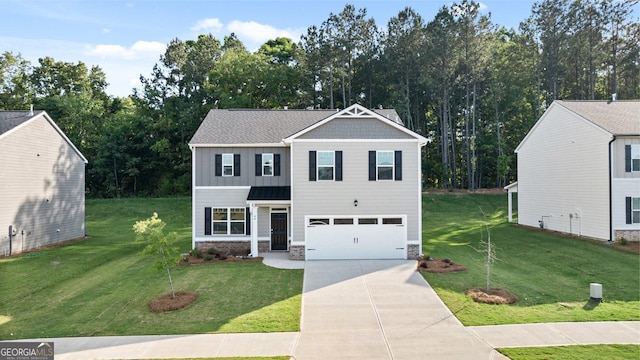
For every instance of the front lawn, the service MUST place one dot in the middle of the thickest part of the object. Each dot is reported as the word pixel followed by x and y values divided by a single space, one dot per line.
pixel 549 273
pixel 575 352
pixel 102 285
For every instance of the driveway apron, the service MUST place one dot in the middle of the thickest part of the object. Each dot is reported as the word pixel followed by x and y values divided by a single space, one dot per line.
pixel 378 309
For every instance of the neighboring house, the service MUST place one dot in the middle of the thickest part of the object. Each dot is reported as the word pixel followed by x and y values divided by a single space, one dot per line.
pixel 42 184
pixel 320 184
pixel 579 170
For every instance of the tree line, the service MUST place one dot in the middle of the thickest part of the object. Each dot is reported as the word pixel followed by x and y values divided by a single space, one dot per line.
pixel 473 88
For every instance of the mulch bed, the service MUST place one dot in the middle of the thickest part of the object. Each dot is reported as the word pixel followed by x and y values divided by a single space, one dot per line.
pixel 440 266
pixel 193 260
pixel 631 246
pixel 167 303
pixel 495 296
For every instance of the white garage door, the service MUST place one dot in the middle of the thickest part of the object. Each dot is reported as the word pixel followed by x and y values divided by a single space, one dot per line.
pixel 357 237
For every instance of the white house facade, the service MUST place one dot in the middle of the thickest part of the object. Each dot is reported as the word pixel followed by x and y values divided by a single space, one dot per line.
pixel 575 170
pixel 42 187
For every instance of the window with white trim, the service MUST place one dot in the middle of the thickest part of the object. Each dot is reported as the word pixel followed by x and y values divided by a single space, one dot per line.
pixel 635 157
pixel 635 210
pixel 227 164
pixel 384 165
pixel 326 165
pixel 228 221
pixel 267 164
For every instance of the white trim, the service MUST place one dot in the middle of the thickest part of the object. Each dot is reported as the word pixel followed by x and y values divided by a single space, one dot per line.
pixel 393 165
pixel 221 187
pixel 192 146
pixel 55 127
pixel 390 140
pixel 419 167
pixel 287 229
pixel 356 111
pixel 269 202
pixel 193 198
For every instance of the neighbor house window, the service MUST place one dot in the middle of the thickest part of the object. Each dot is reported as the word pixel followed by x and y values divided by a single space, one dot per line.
pixel 326 165
pixel 384 165
pixel 228 221
pixel 227 164
pixel 635 210
pixel 267 164
pixel 635 157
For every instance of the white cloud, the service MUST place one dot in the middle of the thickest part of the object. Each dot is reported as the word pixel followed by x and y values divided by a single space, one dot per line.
pixel 212 24
pixel 141 49
pixel 106 31
pixel 258 33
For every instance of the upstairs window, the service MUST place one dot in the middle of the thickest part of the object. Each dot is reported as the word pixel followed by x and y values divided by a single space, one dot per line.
pixel 384 165
pixel 227 164
pixel 267 164
pixel 632 158
pixel 325 165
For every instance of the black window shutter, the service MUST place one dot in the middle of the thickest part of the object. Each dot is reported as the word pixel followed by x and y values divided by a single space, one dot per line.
pixel 627 159
pixel 628 203
pixel 258 164
pixel 207 221
pixel 312 165
pixel 372 166
pixel 218 164
pixel 338 159
pixel 247 221
pixel 236 164
pixel 398 165
pixel 276 165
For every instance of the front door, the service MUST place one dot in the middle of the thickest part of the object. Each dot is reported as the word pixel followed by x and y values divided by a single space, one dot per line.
pixel 278 231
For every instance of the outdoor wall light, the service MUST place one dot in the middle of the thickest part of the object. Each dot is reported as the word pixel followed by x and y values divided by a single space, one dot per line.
pixel 355 202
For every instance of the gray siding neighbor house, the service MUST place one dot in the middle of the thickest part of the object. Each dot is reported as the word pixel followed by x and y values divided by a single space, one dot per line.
pixel 319 184
pixel 579 170
pixel 42 184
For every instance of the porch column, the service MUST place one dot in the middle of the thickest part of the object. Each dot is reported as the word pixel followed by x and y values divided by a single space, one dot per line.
pixel 254 229
pixel 510 204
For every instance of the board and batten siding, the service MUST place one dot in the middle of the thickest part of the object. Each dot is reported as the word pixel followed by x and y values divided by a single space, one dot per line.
pixel 618 153
pixel 205 167
pixel 41 188
pixel 337 197
pixel 563 175
pixel 355 128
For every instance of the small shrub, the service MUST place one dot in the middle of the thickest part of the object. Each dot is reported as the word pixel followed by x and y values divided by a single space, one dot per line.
pixel 223 257
pixel 197 253
pixel 624 241
pixel 212 251
pixel 208 257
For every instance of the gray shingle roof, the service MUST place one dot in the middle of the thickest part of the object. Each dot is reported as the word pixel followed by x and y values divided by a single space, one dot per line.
pixel 11 119
pixel 616 117
pixel 246 126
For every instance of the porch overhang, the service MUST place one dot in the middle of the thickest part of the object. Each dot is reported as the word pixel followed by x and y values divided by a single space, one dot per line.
pixel 269 195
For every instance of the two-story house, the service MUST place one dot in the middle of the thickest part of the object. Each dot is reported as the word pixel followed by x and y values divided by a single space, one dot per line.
pixel 320 184
pixel 579 170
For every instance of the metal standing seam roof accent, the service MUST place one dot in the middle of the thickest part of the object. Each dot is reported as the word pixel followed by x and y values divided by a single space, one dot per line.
pixel 247 126
pixel 616 117
pixel 262 193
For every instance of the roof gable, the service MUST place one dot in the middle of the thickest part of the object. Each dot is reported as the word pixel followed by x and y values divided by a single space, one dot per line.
pixel 359 112
pixel 612 118
pixel 11 121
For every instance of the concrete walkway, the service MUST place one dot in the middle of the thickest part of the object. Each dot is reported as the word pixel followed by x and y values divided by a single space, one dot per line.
pixel 365 309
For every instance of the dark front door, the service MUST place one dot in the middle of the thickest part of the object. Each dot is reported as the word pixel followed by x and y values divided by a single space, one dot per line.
pixel 278 231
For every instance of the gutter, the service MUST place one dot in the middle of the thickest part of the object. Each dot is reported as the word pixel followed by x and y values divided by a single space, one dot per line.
pixel 611 237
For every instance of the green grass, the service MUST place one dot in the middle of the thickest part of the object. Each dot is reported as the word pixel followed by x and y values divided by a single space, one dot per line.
pixel 577 352
pixel 102 285
pixel 549 273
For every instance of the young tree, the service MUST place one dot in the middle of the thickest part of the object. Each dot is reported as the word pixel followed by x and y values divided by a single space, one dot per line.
pixel 160 244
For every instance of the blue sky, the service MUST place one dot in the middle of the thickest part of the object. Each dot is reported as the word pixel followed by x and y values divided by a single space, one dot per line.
pixel 126 37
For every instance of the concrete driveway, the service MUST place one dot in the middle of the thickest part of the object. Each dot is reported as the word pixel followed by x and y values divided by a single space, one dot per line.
pixel 379 309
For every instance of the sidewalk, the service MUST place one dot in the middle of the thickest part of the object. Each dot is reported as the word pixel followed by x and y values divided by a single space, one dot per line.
pixel 353 310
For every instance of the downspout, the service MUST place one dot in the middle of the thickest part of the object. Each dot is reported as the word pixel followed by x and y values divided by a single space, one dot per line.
pixel 611 237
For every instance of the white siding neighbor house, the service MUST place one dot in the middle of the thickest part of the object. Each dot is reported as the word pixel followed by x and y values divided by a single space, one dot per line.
pixel 42 184
pixel 319 184
pixel 579 170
